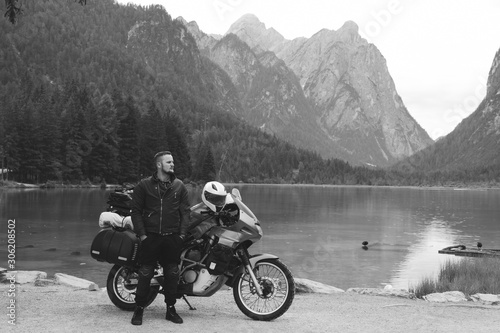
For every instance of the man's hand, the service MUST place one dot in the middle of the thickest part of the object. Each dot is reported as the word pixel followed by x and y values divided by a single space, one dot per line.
pixel 143 237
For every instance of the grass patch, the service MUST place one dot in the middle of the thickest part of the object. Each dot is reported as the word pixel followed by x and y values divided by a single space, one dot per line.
pixel 469 275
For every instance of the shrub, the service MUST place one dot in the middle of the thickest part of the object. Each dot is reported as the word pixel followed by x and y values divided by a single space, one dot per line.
pixel 469 275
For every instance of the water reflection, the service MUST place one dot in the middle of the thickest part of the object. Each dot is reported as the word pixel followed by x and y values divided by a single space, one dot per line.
pixel 423 259
pixel 319 230
pixel 54 229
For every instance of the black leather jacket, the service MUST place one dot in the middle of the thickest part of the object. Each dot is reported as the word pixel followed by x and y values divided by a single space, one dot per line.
pixel 159 208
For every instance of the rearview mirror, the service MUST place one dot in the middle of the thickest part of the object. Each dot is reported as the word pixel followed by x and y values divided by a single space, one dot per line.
pixel 236 193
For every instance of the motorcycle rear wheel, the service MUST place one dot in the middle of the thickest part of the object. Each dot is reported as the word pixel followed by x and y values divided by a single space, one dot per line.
pixel 278 287
pixel 121 286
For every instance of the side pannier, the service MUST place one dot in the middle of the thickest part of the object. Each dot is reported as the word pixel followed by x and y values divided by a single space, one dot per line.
pixel 116 246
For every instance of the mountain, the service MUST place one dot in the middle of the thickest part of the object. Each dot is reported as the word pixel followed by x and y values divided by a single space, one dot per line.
pixel 331 93
pixel 92 92
pixel 89 93
pixel 474 143
pixel 351 96
pixel 253 32
pixel 268 90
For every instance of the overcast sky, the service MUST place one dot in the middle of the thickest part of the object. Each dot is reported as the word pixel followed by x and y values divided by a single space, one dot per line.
pixel 439 52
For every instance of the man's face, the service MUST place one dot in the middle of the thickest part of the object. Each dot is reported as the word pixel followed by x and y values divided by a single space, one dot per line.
pixel 166 164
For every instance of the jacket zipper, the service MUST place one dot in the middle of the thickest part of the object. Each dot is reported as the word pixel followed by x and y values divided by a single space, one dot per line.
pixel 161 212
pixel 161 206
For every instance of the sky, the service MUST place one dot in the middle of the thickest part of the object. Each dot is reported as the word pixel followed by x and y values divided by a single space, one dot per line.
pixel 438 52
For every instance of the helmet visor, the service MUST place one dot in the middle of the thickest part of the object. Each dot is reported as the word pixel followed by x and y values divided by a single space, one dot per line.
pixel 215 199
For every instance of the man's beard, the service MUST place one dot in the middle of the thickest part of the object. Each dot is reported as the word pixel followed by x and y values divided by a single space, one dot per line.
pixel 170 171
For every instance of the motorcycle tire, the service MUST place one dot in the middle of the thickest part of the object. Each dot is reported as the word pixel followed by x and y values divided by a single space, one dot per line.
pixel 278 287
pixel 121 286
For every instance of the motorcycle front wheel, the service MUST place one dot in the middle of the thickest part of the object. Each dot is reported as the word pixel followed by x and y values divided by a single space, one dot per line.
pixel 121 286
pixel 278 289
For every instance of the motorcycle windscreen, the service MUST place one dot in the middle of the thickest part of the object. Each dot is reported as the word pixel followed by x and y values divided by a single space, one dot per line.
pixel 244 208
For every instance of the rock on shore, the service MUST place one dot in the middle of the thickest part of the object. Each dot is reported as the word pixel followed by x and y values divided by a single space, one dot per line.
pixel 39 278
pixel 309 286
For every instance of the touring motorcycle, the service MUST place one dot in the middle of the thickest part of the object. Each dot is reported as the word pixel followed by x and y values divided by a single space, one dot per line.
pixel 216 254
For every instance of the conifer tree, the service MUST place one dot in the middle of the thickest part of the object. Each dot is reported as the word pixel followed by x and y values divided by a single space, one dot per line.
pixel 176 138
pixel 48 136
pixel 28 145
pixel 153 138
pixel 103 160
pixel 3 136
pixel 76 145
pixel 10 139
pixel 208 168
pixel 128 129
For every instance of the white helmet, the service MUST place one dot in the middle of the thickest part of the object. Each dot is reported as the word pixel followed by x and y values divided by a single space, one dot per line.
pixel 214 195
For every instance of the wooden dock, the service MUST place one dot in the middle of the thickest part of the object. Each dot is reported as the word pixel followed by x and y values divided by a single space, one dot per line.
pixel 463 251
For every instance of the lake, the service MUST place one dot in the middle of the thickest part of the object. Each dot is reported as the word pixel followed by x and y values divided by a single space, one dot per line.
pixel 316 230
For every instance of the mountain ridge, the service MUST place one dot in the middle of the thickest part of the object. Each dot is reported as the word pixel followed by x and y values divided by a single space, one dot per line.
pixel 473 143
pixel 95 101
pixel 327 67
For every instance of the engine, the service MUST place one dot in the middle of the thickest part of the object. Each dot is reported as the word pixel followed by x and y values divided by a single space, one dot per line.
pixel 195 274
pixel 190 276
pixel 191 258
pixel 194 255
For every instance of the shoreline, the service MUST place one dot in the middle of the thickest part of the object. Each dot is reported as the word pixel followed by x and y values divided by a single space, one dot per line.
pixel 49 307
pixel 50 185
pixel 302 286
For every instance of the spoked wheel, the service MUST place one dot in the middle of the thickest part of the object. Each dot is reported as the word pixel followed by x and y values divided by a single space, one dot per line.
pixel 278 289
pixel 121 286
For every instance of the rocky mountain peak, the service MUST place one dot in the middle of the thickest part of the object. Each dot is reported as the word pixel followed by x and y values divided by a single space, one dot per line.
pixel 253 32
pixel 192 27
pixel 331 92
pixel 350 26
pixel 474 142
pixel 248 24
pixel 349 32
pixel 183 21
pixel 248 20
pixel 494 76
pixel 205 42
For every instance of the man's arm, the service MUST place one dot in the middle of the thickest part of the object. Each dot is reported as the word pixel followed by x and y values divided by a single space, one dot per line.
pixel 138 198
pixel 184 211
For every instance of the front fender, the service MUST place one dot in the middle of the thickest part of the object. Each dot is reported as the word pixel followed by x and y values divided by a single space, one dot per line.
pixel 258 257
pixel 254 260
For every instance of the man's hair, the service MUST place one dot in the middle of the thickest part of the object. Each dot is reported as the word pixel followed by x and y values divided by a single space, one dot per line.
pixel 160 154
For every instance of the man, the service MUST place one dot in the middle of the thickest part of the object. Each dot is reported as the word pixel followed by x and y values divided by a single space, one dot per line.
pixel 160 214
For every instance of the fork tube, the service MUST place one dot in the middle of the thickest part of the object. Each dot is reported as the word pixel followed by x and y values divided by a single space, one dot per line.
pixel 243 254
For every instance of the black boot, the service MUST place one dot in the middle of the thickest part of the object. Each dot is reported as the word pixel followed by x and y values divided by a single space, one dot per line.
pixel 137 317
pixel 172 315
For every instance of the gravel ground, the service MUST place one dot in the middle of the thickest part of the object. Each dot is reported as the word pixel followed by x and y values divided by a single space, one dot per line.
pixel 57 308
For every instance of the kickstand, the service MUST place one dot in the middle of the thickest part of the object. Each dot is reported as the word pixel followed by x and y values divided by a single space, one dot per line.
pixel 185 300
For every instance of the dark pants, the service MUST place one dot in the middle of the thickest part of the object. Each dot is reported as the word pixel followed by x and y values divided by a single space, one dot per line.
pixel 165 250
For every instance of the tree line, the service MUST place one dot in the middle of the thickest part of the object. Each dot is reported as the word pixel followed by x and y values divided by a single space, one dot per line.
pixel 74 134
